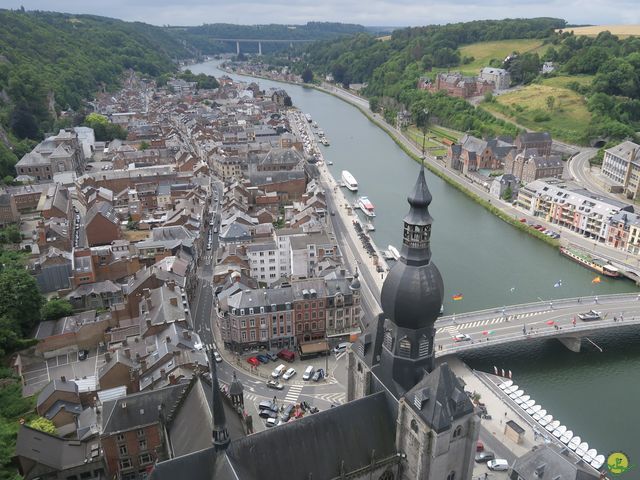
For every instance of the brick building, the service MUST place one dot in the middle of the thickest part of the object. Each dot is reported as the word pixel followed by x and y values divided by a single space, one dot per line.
pixel 102 225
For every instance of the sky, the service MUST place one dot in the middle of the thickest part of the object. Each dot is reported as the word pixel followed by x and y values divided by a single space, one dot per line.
pixel 364 12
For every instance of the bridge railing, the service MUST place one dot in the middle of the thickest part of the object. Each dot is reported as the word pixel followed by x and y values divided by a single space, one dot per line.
pixel 580 330
pixel 587 301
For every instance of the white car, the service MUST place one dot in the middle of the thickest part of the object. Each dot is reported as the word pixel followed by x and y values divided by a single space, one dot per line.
pixel 288 374
pixel 461 337
pixel 217 357
pixel 308 373
pixel 499 464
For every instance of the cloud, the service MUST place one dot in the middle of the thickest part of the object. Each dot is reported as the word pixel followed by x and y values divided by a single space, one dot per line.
pixel 366 12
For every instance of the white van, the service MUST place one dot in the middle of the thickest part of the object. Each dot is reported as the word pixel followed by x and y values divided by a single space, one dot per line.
pixel 499 464
pixel 341 347
pixel 308 373
pixel 278 371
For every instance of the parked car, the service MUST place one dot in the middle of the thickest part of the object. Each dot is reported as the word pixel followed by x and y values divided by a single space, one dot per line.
pixel 289 373
pixel 275 384
pixel 253 361
pixel 499 464
pixel 523 220
pixel 272 422
pixel 484 457
pixel 286 414
pixel 341 347
pixel 262 358
pixel 287 355
pixel 318 375
pixel 461 337
pixel 266 413
pixel 217 356
pixel 83 355
pixel 267 405
pixel 272 356
pixel 279 370
pixel 308 373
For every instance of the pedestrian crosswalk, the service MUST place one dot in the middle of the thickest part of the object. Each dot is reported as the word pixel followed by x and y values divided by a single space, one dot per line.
pixel 293 393
pixel 454 329
pixel 337 398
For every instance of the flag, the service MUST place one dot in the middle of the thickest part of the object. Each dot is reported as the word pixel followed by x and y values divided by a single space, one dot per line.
pixel 596 280
pixel 557 284
pixel 495 369
pixel 510 376
pixel 457 296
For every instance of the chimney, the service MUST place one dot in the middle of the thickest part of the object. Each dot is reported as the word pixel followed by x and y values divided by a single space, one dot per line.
pixel 171 285
pixel 63 379
pixel 172 379
pixel 173 301
pixel 127 352
pixel 187 335
pixel 163 373
pixel 168 339
pixel 107 356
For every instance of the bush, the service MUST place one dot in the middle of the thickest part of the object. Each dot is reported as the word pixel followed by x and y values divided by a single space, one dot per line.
pixel 540 116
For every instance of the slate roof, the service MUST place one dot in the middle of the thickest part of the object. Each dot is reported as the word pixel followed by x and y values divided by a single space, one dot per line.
pixel 551 462
pixel 104 209
pixel 53 386
pixel 439 398
pixel 139 409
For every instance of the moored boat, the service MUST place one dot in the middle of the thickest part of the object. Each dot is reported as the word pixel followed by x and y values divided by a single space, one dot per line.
pixel 396 255
pixel 591 263
pixel 366 206
pixel 574 442
pixel 349 181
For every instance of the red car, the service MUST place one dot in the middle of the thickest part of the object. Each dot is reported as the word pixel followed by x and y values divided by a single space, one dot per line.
pixel 253 361
pixel 523 220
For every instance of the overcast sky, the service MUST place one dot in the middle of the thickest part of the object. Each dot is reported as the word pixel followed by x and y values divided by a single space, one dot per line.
pixel 365 12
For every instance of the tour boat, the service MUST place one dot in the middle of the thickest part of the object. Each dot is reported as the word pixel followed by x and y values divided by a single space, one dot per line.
pixel 590 455
pixel 574 442
pixel 552 425
pixel 369 227
pixel 366 206
pixel 558 432
pixel 329 163
pixel 598 461
pixel 349 181
pixel 566 437
pixel 582 449
pixel 396 255
pixel 591 263
pixel 503 385
pixel 308 117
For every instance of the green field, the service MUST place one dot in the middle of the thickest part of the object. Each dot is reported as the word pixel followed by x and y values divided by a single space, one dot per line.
pixel 433 140
pixel 484 52
pixel 563 80
pixel 567 120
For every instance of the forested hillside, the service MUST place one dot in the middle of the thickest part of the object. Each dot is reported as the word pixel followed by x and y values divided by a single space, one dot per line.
pixel 200 37
pixel 52 61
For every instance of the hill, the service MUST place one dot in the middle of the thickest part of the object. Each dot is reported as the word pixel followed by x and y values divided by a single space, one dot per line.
pixel 52 61
pixel 483 53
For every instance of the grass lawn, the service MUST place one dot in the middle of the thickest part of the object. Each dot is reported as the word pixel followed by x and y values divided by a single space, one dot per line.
pixel 567 121
pixel 562 80
pixel 483 52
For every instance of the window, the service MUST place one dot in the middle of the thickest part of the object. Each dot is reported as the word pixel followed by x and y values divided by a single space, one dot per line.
pixel 122 449
pixel 243 323
pixel 244 336
pixel 142 444
pixel 457 432
pixel 252 322
pixel 120 437
pixel 423 346
pixel 253 335
pixel 405 347
pixel 125 463
pixel 140 432
pixel 451 476
pixel 414 425
pixel 388 340
pixel 145 458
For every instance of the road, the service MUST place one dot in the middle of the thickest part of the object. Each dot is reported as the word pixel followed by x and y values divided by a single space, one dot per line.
pixel 539 320
pixel 579 166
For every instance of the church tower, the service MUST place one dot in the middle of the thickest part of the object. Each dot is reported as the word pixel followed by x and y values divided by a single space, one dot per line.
pixel 411 298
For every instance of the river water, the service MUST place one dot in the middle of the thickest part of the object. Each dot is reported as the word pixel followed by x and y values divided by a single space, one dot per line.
pixel 491 264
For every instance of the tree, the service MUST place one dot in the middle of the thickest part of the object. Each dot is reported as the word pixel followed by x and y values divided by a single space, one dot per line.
pixel 508 193
pixel 551 101
pixel 43 424
pixel 374 104
pixel 307 75
pixel 488 97
pixel 20 301
pixel 144 145
pixel 56 308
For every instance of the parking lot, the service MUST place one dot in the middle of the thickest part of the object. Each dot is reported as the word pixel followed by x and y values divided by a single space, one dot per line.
pixel 37 375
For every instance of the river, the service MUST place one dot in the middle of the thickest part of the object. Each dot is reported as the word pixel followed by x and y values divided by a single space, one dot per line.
pixel 491 264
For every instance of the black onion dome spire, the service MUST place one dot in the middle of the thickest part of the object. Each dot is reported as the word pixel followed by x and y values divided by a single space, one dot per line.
pixel 413 291
pixel 220 433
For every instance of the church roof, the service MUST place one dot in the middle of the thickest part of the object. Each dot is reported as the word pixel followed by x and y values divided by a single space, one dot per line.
pixel 439 398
